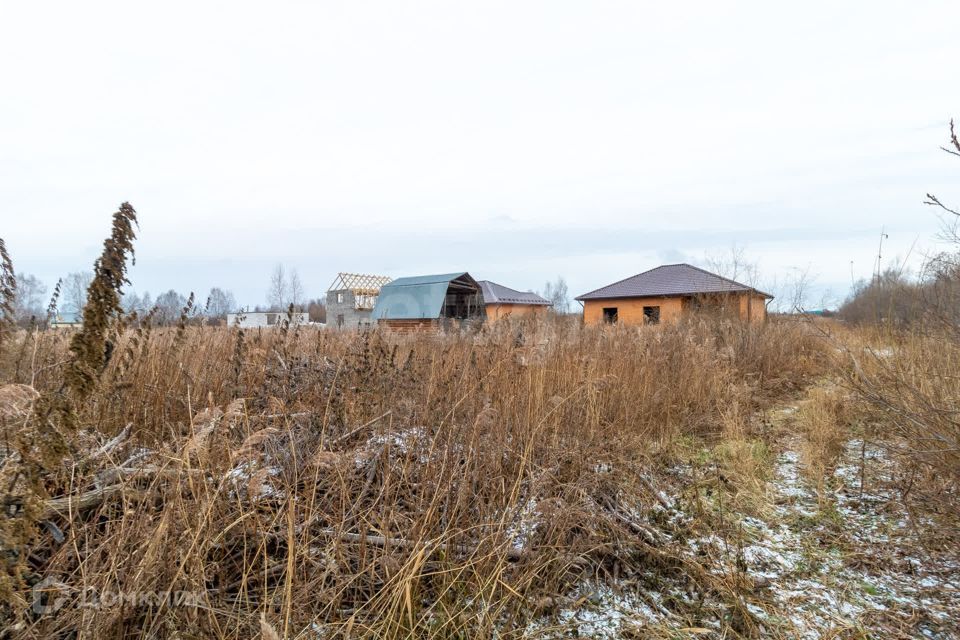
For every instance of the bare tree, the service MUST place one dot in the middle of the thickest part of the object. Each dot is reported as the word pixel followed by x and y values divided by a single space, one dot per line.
pixel 317 311
pixel 277 294
pixel 797 290
pixel 296 291
pixel 147 302
pixel 558 294
pixel 169 306
pixel 75 287
pixel 29 301
pixel 953 149
pixel 941 292
pixel 734 264
pixel 132 303
pixel 220 303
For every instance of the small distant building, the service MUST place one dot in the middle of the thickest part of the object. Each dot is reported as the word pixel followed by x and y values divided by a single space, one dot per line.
pixel 351 299
pixel 67 320
pixel 253 319
pixel 666 293
pixel 500 301
pixel 429 302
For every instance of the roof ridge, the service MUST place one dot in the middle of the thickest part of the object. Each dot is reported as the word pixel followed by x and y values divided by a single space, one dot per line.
pixel 441 277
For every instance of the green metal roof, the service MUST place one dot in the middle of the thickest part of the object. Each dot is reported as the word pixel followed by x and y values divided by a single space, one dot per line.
pixel 436 279
pixel 414 298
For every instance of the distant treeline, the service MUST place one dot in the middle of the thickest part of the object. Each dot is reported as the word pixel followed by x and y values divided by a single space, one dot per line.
pixel 893 298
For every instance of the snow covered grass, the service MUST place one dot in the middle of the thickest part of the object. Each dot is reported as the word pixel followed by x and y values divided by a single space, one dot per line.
pixel 840 557
pixel 832 563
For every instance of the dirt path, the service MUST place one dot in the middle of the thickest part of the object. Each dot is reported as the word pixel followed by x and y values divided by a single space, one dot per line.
pixel 842 562
pixel 848 559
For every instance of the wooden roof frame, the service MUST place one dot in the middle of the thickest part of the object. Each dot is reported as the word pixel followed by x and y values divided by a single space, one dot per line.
pixel 361 283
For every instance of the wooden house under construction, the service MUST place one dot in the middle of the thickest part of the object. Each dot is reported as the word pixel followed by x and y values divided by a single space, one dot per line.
pixel 351 299
pixel 429 302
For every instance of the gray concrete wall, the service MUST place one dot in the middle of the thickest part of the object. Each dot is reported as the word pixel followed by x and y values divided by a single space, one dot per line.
pixel 342 312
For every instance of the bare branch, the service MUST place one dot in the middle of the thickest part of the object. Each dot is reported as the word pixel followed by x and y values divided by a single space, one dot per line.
pixel 933 201
pixel 953 141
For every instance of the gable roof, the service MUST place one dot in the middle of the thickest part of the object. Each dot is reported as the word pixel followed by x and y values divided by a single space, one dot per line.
pixel 419 297
pixel 494 293
pixel 670 280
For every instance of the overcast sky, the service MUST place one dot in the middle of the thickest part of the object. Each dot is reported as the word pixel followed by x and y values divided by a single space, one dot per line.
pixel 514 140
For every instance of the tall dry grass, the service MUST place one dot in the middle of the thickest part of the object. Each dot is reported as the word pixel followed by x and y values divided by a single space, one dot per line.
pixel 907 389
pixel 827 424
pixel 374 485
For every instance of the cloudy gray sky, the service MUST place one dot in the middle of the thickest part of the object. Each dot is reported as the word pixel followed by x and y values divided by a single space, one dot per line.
pixel 516 140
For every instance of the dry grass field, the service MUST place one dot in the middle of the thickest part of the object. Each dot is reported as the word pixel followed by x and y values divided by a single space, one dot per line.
pixel 532 479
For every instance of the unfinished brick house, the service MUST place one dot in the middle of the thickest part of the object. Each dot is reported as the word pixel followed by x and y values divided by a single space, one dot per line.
pixel 667 293
pixel 351 299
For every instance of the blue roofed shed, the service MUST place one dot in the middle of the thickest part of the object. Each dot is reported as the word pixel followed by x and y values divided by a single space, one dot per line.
pixel 429 300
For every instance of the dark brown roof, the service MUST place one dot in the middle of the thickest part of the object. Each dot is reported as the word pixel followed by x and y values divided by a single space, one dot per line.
pixel 669 280
pixel 494 293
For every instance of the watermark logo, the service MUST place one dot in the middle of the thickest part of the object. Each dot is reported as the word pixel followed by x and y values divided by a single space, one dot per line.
pixel 50 596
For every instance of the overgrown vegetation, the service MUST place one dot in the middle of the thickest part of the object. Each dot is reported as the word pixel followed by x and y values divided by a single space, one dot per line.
pixel 46 435
pixel 904 368
pixel 8 293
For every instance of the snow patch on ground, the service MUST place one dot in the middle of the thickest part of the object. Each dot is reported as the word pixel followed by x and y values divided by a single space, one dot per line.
pixel 820 565
pixel 400 442
pixel 814 560
pixel 524 525
pixel 253 480
pixel 598 611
